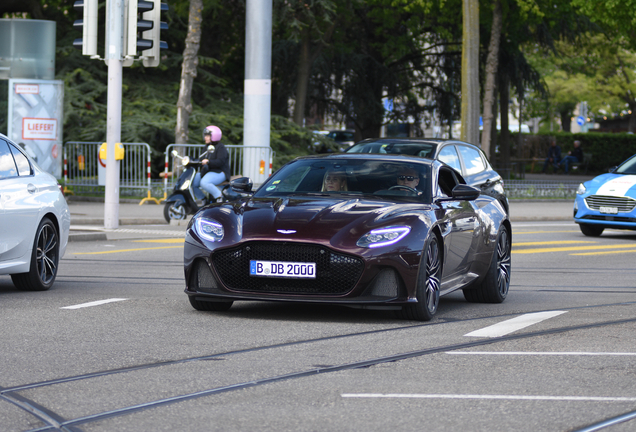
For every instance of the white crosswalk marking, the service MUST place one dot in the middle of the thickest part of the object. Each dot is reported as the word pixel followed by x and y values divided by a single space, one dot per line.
pixel 512 325
pixel 93 303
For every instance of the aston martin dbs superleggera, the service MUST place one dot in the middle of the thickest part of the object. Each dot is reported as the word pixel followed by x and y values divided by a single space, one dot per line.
pixel 371 231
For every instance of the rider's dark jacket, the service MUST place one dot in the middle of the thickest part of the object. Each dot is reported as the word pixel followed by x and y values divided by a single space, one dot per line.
pixel 218 161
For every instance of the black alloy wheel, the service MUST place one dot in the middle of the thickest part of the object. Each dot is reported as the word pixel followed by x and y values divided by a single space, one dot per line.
pixel 428 285
pixel 44 260
pixel 496 284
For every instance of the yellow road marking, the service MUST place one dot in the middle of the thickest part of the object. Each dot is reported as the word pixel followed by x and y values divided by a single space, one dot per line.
pixel 170 240
pixel 543 232
pixel 127 250
pixel 551 242
pixel 605 253
pixel 574 248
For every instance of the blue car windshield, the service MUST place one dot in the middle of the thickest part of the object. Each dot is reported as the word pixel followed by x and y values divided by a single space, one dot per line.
pixel 627 167
pixel 330 177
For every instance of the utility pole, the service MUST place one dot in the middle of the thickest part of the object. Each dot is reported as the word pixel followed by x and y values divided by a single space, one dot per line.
pixel 258 89
pixel 470 72
pixel 114 59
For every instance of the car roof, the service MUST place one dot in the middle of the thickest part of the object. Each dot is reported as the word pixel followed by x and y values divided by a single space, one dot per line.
pixel 410 140
pixel 377 156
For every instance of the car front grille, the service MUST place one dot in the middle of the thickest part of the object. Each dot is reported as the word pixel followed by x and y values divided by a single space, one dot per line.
pixel 623 204
pixel 336 274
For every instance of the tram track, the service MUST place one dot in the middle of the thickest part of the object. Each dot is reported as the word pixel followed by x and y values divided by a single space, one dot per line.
pixel 55 422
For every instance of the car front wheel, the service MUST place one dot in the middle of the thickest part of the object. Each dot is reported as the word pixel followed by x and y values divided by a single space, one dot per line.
pixel 428 285
pixel 494 287
pixel 591 230
pixel 44 260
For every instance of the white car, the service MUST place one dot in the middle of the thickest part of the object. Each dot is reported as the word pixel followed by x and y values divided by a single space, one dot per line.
pixel 34 220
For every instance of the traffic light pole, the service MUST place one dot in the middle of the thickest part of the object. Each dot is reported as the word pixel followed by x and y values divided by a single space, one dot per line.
pixel 114 59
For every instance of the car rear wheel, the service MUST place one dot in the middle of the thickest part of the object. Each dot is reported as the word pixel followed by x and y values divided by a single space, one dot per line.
pixel 174 211
pixel 212 306
pixel 44 260
pixel 591 230
pixel 428 285
pixel 494 287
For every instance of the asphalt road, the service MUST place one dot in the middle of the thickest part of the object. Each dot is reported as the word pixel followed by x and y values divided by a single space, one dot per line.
pixel 115 346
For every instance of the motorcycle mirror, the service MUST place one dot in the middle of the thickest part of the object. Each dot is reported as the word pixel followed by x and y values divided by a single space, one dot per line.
pixel 210 147
pixel 174 153
pixel 185 160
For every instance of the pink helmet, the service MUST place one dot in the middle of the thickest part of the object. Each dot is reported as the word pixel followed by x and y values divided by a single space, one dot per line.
pixel 214 132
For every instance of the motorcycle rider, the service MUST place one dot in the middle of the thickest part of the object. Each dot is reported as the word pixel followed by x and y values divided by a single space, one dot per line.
pixel 215 168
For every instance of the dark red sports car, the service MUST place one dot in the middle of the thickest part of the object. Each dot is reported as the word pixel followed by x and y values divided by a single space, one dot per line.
pixel 378 231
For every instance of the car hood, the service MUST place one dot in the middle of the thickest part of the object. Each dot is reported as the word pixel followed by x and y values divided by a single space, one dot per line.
pixel 320 218
pixel 611 184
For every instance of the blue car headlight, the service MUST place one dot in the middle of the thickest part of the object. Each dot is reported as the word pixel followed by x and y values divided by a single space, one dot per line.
pixel 383 236
pixel 209 229
pixel 581 190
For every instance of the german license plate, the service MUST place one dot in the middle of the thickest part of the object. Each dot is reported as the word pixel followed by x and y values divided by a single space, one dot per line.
pixel 303 270
pixel 608 210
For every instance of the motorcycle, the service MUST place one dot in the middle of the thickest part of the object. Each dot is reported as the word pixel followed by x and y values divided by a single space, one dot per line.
pixel 185 198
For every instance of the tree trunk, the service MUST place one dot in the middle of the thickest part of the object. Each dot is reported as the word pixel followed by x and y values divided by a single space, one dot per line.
pixel 504 98
pixel 470 72
pixel 491 75
pixel 304 70
pixel 632 117
pixel 566 120
pixel 305 64
pixel 188 71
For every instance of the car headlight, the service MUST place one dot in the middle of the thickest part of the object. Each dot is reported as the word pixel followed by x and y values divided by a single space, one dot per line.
pixel 581 190
pixel 383 236
pixel 209 229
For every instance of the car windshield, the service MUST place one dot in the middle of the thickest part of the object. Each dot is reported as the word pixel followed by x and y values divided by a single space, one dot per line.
pixel 402 180
pixel 627 167
pixel 387 147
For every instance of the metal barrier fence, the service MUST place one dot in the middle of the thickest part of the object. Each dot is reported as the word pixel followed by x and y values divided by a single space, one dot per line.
pixel 535 189
pixel 193 151
pixel 85 171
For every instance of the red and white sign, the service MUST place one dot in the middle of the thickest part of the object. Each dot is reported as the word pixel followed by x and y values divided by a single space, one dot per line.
pixel 39 129
pixel 27 89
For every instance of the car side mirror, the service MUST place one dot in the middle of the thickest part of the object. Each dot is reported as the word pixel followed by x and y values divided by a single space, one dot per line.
pixel 462 192
pixel 242 185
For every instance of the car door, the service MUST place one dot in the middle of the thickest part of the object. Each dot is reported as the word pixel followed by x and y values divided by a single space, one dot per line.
pixel 458 226
pixel 18 210
pixel 479 173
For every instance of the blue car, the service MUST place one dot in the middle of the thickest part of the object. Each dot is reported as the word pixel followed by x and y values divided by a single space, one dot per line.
pixel 608 201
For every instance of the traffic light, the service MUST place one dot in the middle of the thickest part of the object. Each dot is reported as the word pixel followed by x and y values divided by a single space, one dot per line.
pixel 88 24
pixel 143 30
pixel 152 56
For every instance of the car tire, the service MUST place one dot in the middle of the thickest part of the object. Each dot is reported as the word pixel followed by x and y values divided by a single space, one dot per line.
pixel 174 211
pixel 211 306
pixel 428 285
pixel 44 260
pixel 591 230
pixel 495 285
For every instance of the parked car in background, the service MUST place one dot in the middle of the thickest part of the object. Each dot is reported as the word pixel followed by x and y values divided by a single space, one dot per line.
pixel 34 220
pixel 343 140
pixel 359 230
pixel 467 159
pixel 608 201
